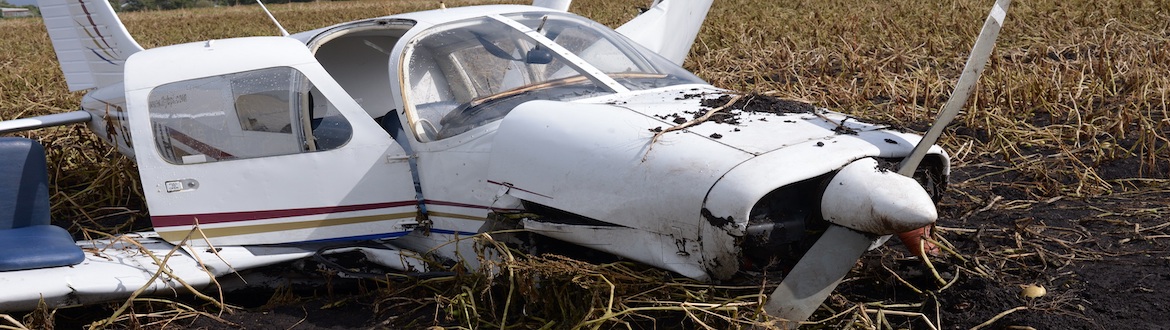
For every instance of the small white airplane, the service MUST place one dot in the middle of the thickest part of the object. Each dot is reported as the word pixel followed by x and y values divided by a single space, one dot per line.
pixel 408 133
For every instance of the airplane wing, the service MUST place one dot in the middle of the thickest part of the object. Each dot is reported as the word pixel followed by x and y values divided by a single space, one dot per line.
pixel 669 27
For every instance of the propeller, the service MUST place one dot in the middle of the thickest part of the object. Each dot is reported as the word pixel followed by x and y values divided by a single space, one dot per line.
pixel 863 201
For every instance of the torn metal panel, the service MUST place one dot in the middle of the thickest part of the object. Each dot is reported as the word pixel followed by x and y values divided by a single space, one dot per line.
pixel 664 250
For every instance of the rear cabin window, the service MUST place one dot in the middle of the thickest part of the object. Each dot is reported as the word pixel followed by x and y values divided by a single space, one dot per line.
pixel 268 112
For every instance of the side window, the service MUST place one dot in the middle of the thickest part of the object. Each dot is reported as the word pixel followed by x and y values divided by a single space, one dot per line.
pixel 267 112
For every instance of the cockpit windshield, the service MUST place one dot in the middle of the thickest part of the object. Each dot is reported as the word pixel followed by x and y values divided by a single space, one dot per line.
pixel 464 74
pixel 630 64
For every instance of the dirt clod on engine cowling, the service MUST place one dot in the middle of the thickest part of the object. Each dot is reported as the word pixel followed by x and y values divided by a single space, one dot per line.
pixel 762 103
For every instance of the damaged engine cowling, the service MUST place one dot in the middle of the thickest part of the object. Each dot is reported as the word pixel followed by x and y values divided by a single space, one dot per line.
pixel 787 221
pixel 783 222
pixel 783 225
pixel 691 203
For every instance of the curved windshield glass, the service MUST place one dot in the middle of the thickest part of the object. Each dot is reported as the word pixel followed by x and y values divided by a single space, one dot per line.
pixel 630 64
pixel 465 74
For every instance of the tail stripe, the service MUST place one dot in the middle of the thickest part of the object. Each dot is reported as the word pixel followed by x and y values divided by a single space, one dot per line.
pixel 105 49
pixel 93 25
pixel 101 57
pixel 91 43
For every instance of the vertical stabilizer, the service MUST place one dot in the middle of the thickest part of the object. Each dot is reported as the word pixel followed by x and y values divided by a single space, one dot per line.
pixel 91 43
pixel 562 5
pixel 669 27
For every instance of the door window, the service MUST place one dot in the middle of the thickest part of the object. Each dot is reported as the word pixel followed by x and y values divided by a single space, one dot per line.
pixel 250 114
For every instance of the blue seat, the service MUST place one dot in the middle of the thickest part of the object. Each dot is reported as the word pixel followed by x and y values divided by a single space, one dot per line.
pixel 38 246
pixel 27 240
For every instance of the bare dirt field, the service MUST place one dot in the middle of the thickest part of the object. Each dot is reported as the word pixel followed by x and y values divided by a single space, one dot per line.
pixel 1060 178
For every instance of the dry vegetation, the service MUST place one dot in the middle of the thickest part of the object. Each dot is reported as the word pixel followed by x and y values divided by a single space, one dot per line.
pixel 1061 165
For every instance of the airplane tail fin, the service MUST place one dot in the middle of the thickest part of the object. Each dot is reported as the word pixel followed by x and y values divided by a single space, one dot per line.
pixel 669 27
pixel 91 43
pixel 562 5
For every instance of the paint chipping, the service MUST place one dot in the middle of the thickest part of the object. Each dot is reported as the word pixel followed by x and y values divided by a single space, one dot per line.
pixel 716 221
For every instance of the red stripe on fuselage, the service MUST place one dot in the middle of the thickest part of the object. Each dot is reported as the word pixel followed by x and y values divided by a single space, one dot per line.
pixel 209 218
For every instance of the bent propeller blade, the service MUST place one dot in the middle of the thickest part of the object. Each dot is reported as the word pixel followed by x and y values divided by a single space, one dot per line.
pixel 963 89
pixel 821 269
pixel 817 274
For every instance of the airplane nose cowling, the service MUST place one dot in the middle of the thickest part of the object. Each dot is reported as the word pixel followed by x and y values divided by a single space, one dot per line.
pixel 867 198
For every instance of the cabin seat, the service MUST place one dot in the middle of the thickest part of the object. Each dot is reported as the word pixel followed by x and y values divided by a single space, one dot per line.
pixel 27 240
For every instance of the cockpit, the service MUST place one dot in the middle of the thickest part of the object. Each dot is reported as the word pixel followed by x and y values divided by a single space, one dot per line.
pixel 465 74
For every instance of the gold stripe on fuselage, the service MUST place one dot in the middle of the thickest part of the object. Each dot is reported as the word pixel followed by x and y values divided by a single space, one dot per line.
pixel 178 235
pixel 456 216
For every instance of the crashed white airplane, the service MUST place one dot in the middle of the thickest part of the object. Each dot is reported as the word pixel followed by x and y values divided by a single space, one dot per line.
pixel 408 132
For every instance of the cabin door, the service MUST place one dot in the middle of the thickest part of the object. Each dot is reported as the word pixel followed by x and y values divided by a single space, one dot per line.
pixel 252 141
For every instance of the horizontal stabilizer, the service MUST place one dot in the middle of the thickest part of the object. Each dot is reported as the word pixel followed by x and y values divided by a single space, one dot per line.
pixel 562 5
pixel 24 124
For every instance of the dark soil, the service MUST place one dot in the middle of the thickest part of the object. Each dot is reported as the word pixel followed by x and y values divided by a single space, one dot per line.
pixel 1102 260
pixel 304 313
pixel 749 103
pixel 761 103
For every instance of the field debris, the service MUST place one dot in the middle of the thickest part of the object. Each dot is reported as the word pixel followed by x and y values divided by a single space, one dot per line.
pixel 1033 291
pixel 759 102
pixel 683 125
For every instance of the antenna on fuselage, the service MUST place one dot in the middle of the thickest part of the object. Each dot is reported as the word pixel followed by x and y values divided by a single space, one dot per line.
pixel 283 32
